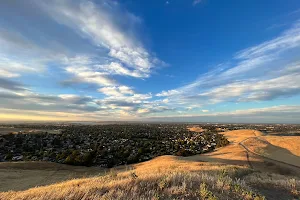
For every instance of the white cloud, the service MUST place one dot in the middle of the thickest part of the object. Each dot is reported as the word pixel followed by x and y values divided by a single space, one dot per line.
pixel 8 74
pixel 143 111
pixel 293 67
pixel 85 74
pixel 168 93
pixel 125 90
pixel 104 24
pixel 113 48
pixel 247 65
pixel 289 39
pixel 10 68
pixel 16 44
pixel 274 114
pixel 28 100
pixel 75 99
pixel 116 68
pixel 116 90
pixel 195 2
pixel 253 90
pixel 263 72
pixel 125 100
pixel 20 55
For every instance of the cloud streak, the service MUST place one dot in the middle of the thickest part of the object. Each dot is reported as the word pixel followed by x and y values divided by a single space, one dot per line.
pixel 118 51
pixel 105 52
pixel 263 72
pixel 256 115
pixel 101 24
pixel 195 2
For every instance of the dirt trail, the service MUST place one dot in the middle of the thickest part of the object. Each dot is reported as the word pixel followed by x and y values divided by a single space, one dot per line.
pixel 239 153
pixel 262 148
pixel 234 153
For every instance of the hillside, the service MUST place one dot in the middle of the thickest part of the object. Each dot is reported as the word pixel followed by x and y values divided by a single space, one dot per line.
pixel 233 153
pixel 228 173
pixel 291 143
pixel 25 175
pixel 264 148
pixel 236 154
pixel 170 177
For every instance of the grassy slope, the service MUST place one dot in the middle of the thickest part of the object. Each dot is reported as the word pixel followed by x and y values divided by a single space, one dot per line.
pixel 233 153
pixel 25 175
pixel 226 176
pixel 262 147
pixel 168 177
pixel 291 143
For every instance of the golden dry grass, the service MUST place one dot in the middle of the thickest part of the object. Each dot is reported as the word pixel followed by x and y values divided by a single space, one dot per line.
pixel 167 177
pixel 268 150
pixel 291 143
pixel 223 174
pixel 25 175
pixel 232 154
pixel 196 129
pixel 235 154
pixel 239 135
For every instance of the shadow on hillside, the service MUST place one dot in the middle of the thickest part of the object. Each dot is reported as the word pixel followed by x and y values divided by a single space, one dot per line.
pixel 265 165
pixel 217 154
pixel 180 185
pixel 24 175
pixel 279 153
pixel 278 147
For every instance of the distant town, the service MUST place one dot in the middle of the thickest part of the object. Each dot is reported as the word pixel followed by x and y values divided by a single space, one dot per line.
pixel 110 145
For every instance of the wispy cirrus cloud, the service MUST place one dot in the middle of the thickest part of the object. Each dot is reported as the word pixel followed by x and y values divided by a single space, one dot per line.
pixel 263 72
pixel 195 2
pixel 271 114
pixel 104 25
pixel 88 75
pixel 98 45
pixel 19 55
pixel 117 50
pixel 11 85
pixel 115 68
pixel 27 100
pixel 124 99
pixel 10 68
pixel 116 91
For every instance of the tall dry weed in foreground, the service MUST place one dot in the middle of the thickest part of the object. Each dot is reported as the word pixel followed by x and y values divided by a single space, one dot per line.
pixel 169 178
pixel 206 184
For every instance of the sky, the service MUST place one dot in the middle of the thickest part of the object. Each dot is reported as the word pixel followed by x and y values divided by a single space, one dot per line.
pixel 127 60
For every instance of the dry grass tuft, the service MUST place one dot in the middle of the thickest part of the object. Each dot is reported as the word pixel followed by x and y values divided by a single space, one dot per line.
pixel 263 147
pixel 290 143
pixel 167 177
pixel 226 175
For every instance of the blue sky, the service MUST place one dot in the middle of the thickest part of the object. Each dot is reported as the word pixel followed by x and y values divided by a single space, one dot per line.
pixel 175 60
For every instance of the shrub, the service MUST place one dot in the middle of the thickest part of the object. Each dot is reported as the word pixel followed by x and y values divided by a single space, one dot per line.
pixel 8 156
pixel 184 153
pixel 205 193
